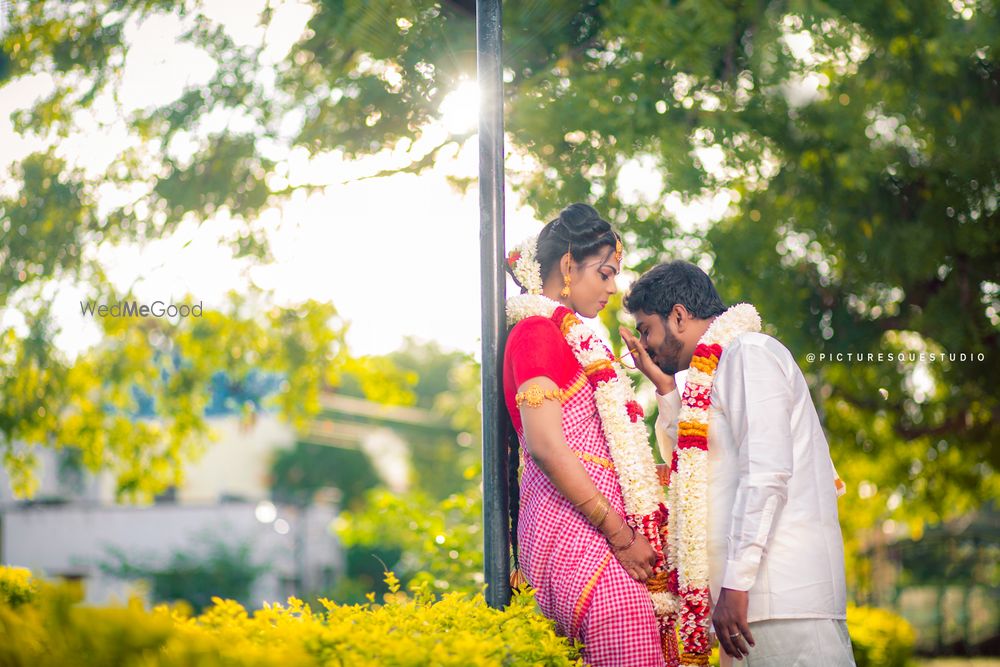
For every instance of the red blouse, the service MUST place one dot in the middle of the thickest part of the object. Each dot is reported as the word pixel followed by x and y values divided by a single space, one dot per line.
pixel 535 348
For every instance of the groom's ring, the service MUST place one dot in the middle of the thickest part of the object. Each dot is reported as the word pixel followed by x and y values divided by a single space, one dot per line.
pixel 734 636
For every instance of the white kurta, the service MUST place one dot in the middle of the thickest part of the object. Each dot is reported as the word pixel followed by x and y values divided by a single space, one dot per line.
pixel 772 520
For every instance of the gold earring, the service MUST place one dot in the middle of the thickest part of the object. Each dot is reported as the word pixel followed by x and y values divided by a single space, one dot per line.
pixel 565 290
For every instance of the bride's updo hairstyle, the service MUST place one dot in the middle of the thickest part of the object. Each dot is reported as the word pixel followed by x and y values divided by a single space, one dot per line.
pixel 580 230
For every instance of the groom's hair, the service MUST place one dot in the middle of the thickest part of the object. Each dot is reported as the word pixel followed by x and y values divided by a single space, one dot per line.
pixel 666 285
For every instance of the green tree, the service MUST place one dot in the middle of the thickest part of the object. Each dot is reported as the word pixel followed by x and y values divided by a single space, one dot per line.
pixel 448 384
pixel 848 148
pixel 51 225
pixel 433 367
pixel 445 383
pixel 437 541
pixel 91 403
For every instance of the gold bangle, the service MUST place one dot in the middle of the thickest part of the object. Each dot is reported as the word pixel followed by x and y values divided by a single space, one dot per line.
pixel 607 510
pixel 593 511
pixel 602 504
pixel 581 504
pixel 630 542
pixel 620 528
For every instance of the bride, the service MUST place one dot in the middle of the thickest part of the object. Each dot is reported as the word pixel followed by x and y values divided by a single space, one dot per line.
pixel 587 517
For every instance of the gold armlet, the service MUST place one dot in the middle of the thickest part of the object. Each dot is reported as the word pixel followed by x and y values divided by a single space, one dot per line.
pixel 535 395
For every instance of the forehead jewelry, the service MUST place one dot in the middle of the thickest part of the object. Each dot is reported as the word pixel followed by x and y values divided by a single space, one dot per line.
pixel 618 250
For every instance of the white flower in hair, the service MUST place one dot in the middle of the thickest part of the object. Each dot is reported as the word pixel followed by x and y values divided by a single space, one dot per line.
pixel 525 267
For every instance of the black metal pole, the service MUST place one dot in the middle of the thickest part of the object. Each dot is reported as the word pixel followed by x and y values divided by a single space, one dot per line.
pixel 496 559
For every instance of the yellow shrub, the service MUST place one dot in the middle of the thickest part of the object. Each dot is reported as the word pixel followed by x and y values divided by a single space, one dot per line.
pixel 16 586
pixel 880 638
pixel 52 629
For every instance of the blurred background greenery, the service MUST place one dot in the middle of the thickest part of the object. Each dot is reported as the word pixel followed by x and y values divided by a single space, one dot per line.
pixel 842 156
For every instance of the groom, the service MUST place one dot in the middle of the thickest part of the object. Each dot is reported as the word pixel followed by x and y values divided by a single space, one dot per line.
pixel 775 552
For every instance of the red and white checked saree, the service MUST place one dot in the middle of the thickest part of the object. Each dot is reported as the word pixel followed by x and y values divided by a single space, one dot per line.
pixel 578 581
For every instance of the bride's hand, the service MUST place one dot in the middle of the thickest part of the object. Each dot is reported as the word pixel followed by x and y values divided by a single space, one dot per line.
pixel 644 363
pixel 639 559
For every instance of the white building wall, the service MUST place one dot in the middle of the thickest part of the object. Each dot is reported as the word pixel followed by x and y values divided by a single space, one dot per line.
pixel 71 540
pixel 70 537
pixel 239 462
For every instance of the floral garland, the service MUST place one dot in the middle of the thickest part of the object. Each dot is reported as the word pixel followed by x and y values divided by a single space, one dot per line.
pixel 687 544
pixel 622 420
pixel 526 269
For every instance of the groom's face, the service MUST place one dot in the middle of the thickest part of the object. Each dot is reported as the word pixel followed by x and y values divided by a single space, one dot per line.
pixel 663 346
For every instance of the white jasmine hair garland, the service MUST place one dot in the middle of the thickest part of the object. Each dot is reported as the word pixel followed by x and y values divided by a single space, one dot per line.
pixel 525 267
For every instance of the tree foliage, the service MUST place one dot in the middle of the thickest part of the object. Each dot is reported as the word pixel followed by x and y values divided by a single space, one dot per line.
pixel 848 150
pixel 52 223
pixel 91 403
pixel 446 384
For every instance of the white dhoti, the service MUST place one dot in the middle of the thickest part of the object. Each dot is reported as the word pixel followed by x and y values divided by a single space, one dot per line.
pixel 797 642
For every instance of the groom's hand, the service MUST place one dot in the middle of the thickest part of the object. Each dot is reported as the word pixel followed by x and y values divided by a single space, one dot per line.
pixel 730 621
pixel 664 383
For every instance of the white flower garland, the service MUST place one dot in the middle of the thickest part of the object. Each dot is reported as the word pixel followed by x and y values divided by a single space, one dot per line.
pixel 687 548
pixel 627 437
pixel 525 266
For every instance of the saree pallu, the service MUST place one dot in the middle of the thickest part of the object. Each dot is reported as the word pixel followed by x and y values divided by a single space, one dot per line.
pixel 579 583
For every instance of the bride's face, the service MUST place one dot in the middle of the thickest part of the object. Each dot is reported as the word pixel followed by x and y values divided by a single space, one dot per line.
pixel 593 283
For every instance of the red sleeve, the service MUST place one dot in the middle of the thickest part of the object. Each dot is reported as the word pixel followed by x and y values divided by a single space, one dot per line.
pixel 537 348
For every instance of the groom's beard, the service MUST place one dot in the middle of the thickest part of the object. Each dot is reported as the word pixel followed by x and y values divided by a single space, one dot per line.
pixel 668 356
